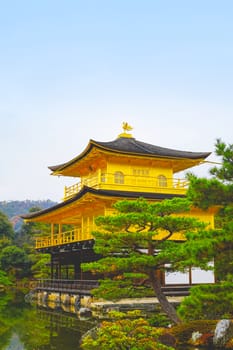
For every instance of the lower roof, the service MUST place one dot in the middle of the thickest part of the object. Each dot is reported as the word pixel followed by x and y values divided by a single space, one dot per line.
pixel 100 193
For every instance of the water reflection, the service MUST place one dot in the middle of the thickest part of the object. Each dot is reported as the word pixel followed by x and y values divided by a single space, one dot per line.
pixel 24 327
pixel 41 327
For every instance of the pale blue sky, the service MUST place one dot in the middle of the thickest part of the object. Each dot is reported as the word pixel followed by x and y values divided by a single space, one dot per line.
pixel 74 70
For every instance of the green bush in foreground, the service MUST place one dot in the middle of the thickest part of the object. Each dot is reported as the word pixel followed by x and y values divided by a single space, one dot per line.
pixel 123 334
pixel 208 302
pixel 183 332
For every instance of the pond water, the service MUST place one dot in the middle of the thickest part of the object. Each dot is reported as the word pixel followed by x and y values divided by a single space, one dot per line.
pixel 26 327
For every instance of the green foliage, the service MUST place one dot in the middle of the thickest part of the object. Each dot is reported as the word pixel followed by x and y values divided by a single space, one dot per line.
pixel 124 333
pixel 4 242
pixel 17 250
pixel 18 318
pixel 207 192
pixel 140 215
pixel 37 336
pixel 208 302
pixel 40 265
pixel 6 229
pixel 118 315
pixel 122 287
pixel 159 320
pixel 14 261
pixel 215 301
pixel 139 252
pixel 166 207
pixel 26 236
pixel 25 239
pixel 4 280
pixel 225 172
pixel 218 191
pixel 132 253
pixel 12 209
pixel 183 332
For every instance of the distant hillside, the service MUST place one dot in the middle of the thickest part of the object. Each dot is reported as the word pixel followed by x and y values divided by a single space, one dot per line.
pixel 15 208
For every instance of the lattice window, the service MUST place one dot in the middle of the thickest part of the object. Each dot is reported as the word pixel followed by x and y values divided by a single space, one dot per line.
pixel 162 181
pixel 103 177
pixel 140 172
pixel 118 177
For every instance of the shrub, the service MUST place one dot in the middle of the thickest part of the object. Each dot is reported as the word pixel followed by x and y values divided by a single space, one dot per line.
pixel 208 302
pixel 123 334
pixel 183 332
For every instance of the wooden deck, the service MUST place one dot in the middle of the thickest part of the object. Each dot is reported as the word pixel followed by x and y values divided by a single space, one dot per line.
pixel 84 287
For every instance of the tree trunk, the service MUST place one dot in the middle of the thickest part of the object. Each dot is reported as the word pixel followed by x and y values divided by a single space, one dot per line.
pixel 167 307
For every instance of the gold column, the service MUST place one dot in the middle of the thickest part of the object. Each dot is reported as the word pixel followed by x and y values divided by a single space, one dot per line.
pixel 60 233
pixel 52 234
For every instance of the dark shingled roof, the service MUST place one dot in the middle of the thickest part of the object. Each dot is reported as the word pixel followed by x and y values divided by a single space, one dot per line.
pixel 107 193
pixel 132 146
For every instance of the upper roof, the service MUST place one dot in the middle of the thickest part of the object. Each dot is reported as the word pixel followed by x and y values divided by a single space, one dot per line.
pixel 131 146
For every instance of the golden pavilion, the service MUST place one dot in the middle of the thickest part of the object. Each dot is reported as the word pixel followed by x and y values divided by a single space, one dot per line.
pixel 106 172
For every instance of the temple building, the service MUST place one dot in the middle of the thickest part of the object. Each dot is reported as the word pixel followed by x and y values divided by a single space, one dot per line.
pixel 106 172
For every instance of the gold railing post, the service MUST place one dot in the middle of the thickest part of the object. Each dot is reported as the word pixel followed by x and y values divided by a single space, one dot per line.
pixel 59 233
pixel 65 192
pixel 52 233
pixel 99 178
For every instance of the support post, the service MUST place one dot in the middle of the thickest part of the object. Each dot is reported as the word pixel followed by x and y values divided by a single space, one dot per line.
pixel 52 234
pixel 60 233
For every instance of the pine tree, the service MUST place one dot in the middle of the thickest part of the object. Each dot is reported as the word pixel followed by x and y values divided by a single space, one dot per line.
pixel 137 243
pixel 218 191
pixel 215 301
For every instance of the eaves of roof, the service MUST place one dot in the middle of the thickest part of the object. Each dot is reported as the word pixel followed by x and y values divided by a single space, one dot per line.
pixel 106 193
pixel 131 146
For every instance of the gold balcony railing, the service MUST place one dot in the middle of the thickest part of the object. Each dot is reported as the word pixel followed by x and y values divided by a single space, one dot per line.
pixel 129 183
pixel 63 238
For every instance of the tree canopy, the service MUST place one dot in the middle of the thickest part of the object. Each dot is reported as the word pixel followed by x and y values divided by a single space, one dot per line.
pixel 215 301
pixel 126 331
pixel 17 253
pixel 218 191
pixel 139 242
pixel 14 261
pixel 6 229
